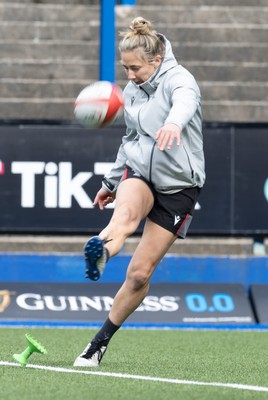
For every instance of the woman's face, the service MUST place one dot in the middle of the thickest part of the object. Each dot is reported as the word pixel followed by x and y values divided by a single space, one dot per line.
pixel 137 69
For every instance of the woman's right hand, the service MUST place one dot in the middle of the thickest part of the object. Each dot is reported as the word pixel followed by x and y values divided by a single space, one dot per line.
pixel 103 197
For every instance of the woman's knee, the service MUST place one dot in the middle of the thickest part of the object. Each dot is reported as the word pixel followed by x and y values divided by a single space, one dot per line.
pixel 138 278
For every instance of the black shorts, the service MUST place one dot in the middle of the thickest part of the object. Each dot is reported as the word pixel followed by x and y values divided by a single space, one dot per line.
pixel 171 211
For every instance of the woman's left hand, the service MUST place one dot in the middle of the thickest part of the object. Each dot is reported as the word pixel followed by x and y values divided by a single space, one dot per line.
pixel 166 135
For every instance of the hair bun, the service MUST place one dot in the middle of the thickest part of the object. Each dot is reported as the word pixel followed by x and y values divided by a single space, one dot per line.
pixel 141 36
pixel 141 26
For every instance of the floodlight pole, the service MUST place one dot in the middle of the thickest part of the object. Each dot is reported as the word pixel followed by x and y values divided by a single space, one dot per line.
pixel 107 41
pixel 128 2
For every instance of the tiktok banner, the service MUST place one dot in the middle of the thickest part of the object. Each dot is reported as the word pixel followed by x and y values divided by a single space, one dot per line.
pixel 50 173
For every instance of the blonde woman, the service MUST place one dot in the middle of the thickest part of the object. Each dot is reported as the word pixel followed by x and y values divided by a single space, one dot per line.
pixel 157 175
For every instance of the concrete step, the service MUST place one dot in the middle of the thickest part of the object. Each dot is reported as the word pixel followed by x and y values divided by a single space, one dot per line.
pixel 193 14
pixel 217 71
pixel 217 33
pixel 37 31
pixel 236 52
pixel 228 71
pixel 226 3
pixel 89 70
pixel 63 88
pixel 84 31
pixel 74 244
pixel 234 91
pixel 50 49
pixel 237 111
pixel 182 13
pixel 48 12
pixel 46 109
pixel 42 88
pixel 72 2
pixel 49 69
pixel 229 3
pixel 62 109
pixel 79 50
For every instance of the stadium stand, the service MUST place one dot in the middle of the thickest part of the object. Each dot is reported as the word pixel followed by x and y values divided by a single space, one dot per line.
pixel 49 51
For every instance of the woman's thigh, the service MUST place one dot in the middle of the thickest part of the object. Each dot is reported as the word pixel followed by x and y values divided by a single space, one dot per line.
pixel 134 200
pixel 135 197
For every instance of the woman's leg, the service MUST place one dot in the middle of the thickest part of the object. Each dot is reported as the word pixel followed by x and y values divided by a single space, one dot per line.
pixel 134 201
pixel 154 244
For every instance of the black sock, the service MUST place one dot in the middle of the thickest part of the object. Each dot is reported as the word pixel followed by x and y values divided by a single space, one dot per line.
pixel 106 332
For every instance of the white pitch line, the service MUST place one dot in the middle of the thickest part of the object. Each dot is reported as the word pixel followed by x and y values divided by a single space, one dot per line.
pixel 141 377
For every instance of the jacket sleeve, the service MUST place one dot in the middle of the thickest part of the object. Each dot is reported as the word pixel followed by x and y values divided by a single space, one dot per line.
pixel 185 99
pixel 113 178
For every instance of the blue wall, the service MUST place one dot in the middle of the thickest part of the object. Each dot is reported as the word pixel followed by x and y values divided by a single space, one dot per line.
pixel 70 268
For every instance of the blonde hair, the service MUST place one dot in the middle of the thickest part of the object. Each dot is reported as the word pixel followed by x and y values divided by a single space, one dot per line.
pixel 142 36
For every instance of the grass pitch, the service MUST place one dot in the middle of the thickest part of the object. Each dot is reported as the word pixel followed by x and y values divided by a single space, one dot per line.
pixel 232 357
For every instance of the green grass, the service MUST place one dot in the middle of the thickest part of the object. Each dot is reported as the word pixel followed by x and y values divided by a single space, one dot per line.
pixel 209 356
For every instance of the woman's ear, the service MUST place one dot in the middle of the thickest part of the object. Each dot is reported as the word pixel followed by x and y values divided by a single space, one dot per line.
pixel 157 60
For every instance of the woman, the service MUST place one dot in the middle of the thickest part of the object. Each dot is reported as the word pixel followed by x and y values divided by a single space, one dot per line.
pixel 158 173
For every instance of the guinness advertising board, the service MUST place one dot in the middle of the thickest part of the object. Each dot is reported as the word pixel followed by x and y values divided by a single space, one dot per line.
pixel 165 303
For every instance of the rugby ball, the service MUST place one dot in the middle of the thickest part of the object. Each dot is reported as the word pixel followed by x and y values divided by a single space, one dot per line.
pixel 99 104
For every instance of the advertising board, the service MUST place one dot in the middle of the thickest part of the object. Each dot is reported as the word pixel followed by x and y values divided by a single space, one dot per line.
pixel 168 303
pixel 49 175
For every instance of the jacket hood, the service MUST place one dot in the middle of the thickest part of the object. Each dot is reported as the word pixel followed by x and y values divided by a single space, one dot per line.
pixel 169 62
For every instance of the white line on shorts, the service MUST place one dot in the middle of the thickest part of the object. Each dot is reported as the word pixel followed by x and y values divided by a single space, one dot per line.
pixel 141 377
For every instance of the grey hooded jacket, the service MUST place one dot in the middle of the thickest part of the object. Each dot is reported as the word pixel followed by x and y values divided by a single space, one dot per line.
pixel 171 95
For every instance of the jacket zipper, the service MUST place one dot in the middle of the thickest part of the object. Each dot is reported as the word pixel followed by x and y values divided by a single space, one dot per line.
pixel 189 161
pixel 151 162
pixel 152 151
pixel 148 98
